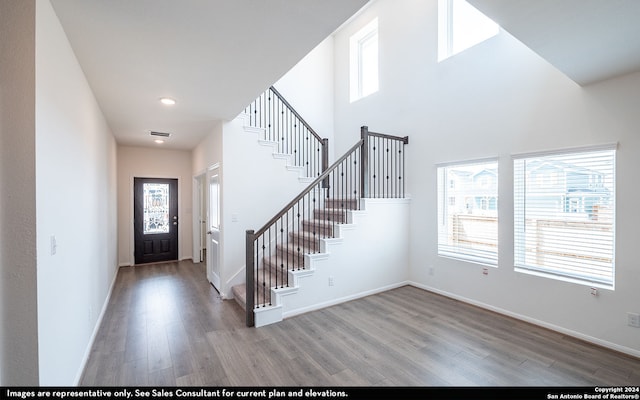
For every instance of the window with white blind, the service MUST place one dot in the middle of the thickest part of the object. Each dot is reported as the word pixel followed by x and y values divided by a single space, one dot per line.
pixel 468 211
pixel 564 215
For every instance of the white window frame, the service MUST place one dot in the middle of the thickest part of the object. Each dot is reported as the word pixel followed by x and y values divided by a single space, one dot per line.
pixel 358 67
pixel 450 32
pixel 564 248
pixel 447 247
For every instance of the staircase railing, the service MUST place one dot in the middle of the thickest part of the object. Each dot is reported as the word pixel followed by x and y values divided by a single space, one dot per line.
pixel 373 167
pixel 283 125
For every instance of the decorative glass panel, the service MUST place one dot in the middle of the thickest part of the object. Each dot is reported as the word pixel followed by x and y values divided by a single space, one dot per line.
pixel 156 208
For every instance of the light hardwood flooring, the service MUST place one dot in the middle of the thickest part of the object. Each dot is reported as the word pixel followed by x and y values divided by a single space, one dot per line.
pixel 165 325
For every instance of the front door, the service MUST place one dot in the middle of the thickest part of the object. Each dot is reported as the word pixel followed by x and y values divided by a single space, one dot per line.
pixel 155 215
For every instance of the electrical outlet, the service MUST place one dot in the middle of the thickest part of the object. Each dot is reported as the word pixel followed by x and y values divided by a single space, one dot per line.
pixel 633 319
pixel 331 281
pixel 485 271
pixel 594 291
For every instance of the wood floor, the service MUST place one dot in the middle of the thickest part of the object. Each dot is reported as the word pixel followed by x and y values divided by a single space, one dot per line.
pixel 166 326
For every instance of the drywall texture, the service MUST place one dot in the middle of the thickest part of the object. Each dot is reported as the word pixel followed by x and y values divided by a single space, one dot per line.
pixel 18 294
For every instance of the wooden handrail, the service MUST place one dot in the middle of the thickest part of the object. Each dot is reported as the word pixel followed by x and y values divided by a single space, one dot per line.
pixel 306 190
pixel 294 112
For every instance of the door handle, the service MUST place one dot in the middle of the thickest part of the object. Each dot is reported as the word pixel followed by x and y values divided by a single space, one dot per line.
pixel 175 223
pixel 209 232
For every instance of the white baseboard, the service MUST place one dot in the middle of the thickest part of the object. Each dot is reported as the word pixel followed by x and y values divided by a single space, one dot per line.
pixel 555 328
pixel 96 328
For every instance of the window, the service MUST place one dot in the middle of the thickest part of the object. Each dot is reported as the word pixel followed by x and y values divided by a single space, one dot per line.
pixel 468 211
pixel 461 26
pixel 363 49
pixel 564 208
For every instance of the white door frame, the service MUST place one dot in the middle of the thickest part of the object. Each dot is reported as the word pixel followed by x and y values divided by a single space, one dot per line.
pixel 212 276
pixel 199 219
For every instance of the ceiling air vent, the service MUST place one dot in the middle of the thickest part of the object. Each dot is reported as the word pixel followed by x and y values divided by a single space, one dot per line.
pixel 159 134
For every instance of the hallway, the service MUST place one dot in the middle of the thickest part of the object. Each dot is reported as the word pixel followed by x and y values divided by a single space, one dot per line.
pixel 156 327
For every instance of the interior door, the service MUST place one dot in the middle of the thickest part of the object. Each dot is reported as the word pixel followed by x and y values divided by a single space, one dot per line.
pixel 213 243
pixel 155 220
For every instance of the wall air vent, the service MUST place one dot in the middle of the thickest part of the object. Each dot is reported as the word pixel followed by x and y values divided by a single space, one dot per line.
pixel 159 134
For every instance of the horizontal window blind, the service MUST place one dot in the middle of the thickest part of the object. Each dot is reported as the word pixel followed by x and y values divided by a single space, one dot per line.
pixel 468 211
pixel 564 214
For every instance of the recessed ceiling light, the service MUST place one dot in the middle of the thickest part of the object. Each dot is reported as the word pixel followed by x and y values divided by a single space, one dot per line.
pixel 159 141
pixel 167 101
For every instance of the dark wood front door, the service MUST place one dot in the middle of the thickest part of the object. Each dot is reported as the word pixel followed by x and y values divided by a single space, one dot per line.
pixel 155 219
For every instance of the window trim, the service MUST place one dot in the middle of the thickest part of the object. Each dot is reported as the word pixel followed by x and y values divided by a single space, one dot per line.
pixel 443 201
pixel 518 226
pixel 446 30
pixel 356 65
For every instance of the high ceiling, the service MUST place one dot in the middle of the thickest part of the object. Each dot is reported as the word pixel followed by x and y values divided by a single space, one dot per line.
pixel 588 40
pixel 215 56
pixel 212 56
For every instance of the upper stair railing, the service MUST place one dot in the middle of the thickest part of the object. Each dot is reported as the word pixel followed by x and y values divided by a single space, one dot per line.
pixel 282 124
pixel 374 167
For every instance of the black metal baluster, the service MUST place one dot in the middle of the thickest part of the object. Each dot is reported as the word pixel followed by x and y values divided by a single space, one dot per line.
pixel 402 179
pixel 283 242
pixel 263 255
pixel 254 287
pixel 284 269
pixel 386 167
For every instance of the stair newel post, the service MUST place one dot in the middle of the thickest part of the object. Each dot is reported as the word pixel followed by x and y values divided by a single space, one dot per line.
pixel 364 164
pixel 249 274
pixel 325 160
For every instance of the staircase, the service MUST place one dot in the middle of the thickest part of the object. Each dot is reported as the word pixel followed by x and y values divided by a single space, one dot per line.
pixel 289 254
pixel 284 250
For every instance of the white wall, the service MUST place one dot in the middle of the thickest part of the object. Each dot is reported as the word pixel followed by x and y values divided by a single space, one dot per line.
pixel 76 204
pixel 370 254
pixel 145 162
pixel 496 99
pixel 308 87
pixel 18 289
pixel 208 151
pixel 255 186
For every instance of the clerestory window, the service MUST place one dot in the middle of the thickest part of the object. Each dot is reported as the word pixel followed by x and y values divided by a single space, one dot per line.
pixel 461 26
pixel 363 49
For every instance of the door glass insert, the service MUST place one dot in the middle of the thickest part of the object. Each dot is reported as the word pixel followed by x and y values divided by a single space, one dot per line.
pixel 214 193
pixel 156 208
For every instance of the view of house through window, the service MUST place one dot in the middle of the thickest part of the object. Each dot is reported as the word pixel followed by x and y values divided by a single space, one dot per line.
pixel 363 60
pixel 468 211
pixel 564 214
pixel 461 26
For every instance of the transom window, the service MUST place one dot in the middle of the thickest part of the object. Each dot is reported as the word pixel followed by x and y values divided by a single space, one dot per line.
pixel 564 215
pixel 468 211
